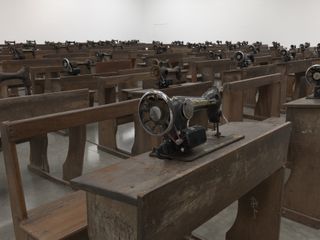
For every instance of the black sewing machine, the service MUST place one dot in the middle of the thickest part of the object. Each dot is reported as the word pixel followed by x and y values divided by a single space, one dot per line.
pixel 169 117
pixel 73 68
pixel 313 78
pixel 22 74
pixel 216 55
pixel 167 75
pixel 244 60
pixel 16 53
pixel 287 55
pixel 101 56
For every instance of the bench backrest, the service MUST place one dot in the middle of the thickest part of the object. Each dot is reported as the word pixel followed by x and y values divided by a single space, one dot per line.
pixel 268 104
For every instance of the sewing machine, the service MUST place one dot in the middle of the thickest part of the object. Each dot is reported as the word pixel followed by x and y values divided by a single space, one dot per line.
pixel 22 74
pixel 313 78
pixel 244 60
pixel 73 68
pixel 169 118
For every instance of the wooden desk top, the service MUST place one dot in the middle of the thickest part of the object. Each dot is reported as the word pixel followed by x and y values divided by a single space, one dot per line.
pixel 304 103
pixel 264 148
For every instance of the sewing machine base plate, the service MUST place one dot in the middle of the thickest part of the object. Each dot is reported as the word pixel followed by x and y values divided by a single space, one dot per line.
pixel 212 144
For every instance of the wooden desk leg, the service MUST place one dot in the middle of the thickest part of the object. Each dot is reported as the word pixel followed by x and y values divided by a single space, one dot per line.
pixel 143 142
pixel 91 98
pixel 259 211
pixel 38 153
pixel 47 83
pixel 3 91
pixel 268 104
pixel 232 105
pixel 73 165
pixel 107 134
pixel 122 96
pixel 302 191
pixel 300 86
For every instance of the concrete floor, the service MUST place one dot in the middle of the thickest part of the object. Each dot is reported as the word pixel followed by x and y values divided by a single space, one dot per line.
pixel 39 191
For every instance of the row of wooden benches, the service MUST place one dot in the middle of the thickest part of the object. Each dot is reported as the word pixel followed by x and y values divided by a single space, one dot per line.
pixel 36 125
pixel 36 128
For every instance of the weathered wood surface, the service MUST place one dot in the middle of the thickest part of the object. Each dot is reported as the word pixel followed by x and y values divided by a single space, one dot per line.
pixel 30 106
pixel 14 65
pixel 302 191
pixel 212 66
pixel 25 107
pixel 44 73
pixel 73 120
pixel 185 89
pixel 162 199
pixel 62 219
pixel 113 66
pixel 268 104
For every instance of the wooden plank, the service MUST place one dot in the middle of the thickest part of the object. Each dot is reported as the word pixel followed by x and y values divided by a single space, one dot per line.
pixel 302 192
pixel 190 192
pixel 22 129
pixel 135 77
pixel 14 65
pixel 298 66
pixel 73 164
pixel 59 219
pixel 252 82
pixel 30 106
pixel 232 105
pixel 173 198
pixel 15 189
pixel 258 211
pixel 112 66
pixel 24 107
pixel 173 169
pixel 119 223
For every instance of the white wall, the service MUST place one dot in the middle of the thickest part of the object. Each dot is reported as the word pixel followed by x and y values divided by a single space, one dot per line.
pixel 60 20
pixel 286 21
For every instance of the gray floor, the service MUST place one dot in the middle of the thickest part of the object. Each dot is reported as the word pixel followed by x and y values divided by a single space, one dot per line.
pixel 39 190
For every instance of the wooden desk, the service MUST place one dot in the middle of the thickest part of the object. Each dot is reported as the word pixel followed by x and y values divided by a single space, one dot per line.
pixel 149 198
pixel 302 191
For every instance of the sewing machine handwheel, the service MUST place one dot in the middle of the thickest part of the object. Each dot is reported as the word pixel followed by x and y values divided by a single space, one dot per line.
pixel 156 113
pixel 313 74
pixel 66 64
pixel 239 56
pixel 283 52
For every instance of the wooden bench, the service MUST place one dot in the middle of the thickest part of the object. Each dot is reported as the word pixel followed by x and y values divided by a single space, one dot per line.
pixel 65 218
pixel 109 86
pixel 250 72
pixel 209 68
pixel 43 73
pixel 268 104
pixel 59 221
pixel 34 224
pixel 295 72
pixel 18 108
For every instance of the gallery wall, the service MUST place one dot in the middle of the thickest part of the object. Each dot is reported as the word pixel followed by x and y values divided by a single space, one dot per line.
pixel 287 21
pixel 79 20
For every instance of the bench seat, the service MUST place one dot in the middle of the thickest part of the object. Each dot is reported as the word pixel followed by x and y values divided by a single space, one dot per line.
pixel 60 219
